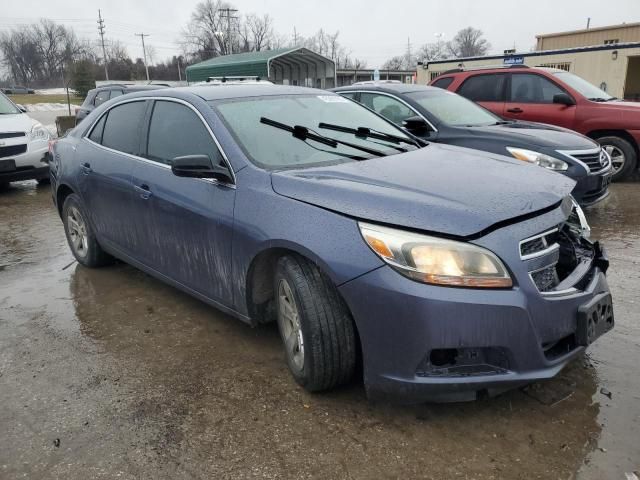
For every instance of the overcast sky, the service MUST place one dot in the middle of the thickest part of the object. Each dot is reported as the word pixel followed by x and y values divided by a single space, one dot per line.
pixel 371 29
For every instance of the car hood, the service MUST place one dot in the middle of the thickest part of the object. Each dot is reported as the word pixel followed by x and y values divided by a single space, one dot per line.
pixel 440 188
pixel 522 134
pixel 16 122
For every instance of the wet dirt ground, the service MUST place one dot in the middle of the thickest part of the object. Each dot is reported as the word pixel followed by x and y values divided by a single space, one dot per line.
pixel 111 374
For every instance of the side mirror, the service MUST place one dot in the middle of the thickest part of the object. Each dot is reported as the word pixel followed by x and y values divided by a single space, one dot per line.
pixel 563 99
pixel 21 108
pixel 417 126
pixel 199 166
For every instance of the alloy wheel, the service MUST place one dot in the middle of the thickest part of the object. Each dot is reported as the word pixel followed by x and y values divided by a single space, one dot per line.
pixel 77 232
pixel 289 323
pixel 618 157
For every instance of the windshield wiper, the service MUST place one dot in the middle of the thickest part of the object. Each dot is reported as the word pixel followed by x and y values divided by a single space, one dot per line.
pixel 597 99
pixel 303 133
pixel 365 132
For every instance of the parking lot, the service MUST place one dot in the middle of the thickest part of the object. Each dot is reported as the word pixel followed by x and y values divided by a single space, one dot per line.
pixel 111 374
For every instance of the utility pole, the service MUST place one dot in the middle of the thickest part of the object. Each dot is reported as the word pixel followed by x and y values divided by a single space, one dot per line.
pixel 295 37
pixel 228 14
pixel 588 22
pixel 144 51
pixel 408 53
pixel 104 52
pixel 179 71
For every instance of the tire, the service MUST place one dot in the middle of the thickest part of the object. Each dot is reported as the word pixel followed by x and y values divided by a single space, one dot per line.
pixel 617 144
pixel 80 236
pixel 325 329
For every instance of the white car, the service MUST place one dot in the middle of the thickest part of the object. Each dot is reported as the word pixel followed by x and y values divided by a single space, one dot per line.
pixel 24 145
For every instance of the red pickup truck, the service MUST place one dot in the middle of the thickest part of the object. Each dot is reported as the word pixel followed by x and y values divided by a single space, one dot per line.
pixel 557 97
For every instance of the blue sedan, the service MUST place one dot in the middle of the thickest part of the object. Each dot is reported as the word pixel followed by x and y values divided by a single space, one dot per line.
pixel 445 273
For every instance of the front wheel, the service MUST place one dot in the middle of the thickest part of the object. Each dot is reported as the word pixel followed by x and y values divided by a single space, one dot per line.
pixel 80 235
pixel 315 325
pixel 623 156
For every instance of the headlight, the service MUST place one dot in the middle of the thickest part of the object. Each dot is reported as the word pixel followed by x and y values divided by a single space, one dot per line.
pixel 435 260
pixel 577 220
pixel 38 132
pixel 538 158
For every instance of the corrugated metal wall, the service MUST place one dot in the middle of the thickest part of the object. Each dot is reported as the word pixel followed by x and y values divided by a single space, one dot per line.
pixel 587 38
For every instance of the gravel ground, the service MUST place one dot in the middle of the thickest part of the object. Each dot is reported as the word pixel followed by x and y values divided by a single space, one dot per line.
pixel 111 374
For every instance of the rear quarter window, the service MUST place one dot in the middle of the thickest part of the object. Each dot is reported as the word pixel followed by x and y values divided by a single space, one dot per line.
pixel 443 82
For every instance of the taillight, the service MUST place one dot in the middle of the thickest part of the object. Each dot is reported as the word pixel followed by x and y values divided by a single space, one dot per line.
pixel 52 143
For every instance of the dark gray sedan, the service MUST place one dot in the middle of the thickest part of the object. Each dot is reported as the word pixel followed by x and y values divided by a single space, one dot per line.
pixel 445 117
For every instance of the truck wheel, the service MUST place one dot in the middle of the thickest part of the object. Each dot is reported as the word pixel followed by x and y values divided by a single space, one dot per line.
pixel 315 325
pixel 623 156
pixel 80 236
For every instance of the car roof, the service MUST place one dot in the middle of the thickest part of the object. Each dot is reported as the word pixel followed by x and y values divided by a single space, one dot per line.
pixel 129 87
pixel 223 91
pixel 388 88
pixel 497 69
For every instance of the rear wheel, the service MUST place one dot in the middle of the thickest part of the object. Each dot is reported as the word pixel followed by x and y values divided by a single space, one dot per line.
pixel 80 236
pixel 623 156
pixel 315 325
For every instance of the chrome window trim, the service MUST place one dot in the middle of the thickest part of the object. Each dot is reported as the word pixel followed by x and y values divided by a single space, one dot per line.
pixel 164 165
pixel 395 98
pixel 541 253
pixel 593 151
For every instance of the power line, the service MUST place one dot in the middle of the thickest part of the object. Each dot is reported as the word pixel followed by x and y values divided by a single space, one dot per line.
pixel 227 14
pixel 144 51
pixel 104 51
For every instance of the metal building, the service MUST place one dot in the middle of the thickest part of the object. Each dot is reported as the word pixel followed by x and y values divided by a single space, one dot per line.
pixel 609 35
pixel 614 68
pixel 287 66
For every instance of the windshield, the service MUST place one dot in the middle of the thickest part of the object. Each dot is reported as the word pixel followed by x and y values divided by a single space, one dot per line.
pixel 275 148
pixel 583 87
pixel 7 106
pixel 453 109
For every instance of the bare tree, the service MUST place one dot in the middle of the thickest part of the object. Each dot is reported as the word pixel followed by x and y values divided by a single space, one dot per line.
pixel 432 51
pixel 468 42
pixel 261 30
pixel 395 63
pixel 205 35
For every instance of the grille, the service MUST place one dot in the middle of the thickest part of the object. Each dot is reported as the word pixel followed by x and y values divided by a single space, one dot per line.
pixel 11 134
pixel 538 244
pixel 595 161
pixel 545 279
pixel 532 246
pixel 12 150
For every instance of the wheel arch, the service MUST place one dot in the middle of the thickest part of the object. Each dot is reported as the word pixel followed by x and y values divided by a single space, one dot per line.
pixel 62 193
pixel 595 134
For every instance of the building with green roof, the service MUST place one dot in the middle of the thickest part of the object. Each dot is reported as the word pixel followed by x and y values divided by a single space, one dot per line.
pixel 286 66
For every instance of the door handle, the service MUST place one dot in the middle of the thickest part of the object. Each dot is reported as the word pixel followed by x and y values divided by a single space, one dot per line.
pixel 515 110
pixel 143 190
pixel 86 168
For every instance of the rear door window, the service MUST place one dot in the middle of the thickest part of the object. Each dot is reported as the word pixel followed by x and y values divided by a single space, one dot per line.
pixel 484 88
pixel 390 108
pixel 122 127
pixel 351 95
pixel 443 82
pixel 531 88
pixel 96 133
pixel 101 97
pixel 175 131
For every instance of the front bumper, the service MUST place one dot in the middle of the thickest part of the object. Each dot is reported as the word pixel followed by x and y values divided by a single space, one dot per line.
pixel 510 337
pixel 592 189
pixel 31 165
